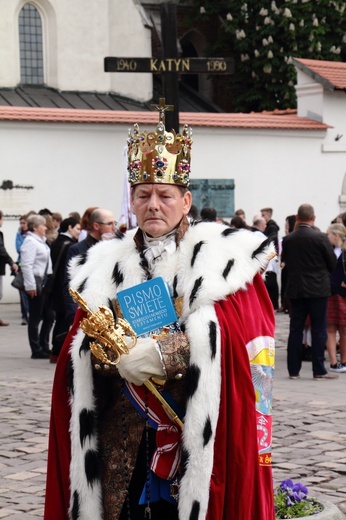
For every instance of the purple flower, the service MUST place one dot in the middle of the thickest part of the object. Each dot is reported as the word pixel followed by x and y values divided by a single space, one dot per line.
pixel 289 501
pixel 286 485
pixel 299 488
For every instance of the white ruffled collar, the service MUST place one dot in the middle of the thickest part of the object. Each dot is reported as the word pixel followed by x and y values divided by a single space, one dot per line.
pixel 156 249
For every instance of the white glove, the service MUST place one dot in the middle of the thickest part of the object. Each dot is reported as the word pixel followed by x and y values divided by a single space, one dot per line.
pixel 142 363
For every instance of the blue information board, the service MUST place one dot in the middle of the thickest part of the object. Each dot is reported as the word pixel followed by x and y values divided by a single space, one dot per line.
pixel 147 306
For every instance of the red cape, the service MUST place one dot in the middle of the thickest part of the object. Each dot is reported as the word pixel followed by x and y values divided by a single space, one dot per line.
pixel 240 488
pixel 59 447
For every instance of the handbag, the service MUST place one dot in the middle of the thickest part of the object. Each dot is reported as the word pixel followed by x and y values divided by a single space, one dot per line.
pixel 18 281
pixel 40 282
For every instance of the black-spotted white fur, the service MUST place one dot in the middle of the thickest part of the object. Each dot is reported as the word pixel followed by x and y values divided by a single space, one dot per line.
pixel 210 263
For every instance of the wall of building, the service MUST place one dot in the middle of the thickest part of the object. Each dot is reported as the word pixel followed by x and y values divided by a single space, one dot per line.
pixel 77 36
pixel 74 166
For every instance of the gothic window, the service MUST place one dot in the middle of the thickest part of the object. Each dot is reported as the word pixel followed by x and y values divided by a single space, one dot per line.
pixel 30 42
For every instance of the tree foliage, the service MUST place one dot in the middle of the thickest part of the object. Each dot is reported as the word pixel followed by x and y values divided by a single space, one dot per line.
pixel 263 36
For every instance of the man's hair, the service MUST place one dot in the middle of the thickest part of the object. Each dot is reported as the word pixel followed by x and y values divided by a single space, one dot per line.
pixel 208 214
pixel 97 216
pixel 75 214
pixel 70 221
pixel 1 214
pixel 305 212
pixel 258 220
pixel 239 212
pixel 45 211
pixel 268 210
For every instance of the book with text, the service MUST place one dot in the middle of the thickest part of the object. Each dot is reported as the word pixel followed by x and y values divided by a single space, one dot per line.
pixel 147 306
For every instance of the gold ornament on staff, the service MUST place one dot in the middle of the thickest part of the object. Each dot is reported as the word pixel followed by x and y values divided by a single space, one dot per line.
pixel 110 343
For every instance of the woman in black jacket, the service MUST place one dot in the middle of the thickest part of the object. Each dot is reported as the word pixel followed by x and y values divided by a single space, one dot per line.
pixel 68 234
pixel 336 313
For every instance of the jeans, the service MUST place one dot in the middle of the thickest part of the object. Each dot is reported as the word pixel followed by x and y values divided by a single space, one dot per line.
pixel 301 308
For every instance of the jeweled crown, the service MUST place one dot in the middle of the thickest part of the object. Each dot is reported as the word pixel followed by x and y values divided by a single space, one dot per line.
pixel 159 157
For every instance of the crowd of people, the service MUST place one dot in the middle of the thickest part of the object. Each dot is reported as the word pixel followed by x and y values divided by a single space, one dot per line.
pixel 45 243
pixel 52 241
pixel 310 267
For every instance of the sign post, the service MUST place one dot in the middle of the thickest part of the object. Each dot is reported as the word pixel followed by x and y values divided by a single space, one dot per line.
pixel 170 66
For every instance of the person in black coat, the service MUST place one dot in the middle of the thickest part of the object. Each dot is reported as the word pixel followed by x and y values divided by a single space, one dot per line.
pixel 102 226
pixel 272 229
pixel 309 258
pixel 68 235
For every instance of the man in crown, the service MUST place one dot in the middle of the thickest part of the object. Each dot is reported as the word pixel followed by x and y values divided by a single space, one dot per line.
pixel 114 452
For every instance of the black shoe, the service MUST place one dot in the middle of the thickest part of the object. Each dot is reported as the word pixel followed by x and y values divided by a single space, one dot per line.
pixel 39 355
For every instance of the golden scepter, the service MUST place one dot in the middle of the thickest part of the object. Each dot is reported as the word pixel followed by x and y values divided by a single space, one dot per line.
pixel 110 336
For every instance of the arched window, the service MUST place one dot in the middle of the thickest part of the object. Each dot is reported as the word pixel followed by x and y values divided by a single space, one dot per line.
pixel 30 42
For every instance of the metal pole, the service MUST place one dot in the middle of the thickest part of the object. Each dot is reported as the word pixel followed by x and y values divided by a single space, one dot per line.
pixel 169 45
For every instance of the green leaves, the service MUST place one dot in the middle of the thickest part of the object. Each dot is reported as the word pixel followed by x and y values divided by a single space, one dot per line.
pixel 262 37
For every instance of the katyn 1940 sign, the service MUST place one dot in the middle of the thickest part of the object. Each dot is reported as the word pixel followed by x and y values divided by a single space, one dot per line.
pixel 178 65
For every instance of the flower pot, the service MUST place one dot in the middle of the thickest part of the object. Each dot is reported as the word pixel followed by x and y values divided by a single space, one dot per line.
pixel 330 512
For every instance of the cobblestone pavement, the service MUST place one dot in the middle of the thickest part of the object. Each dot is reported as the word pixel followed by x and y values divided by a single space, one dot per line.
pixel 309 425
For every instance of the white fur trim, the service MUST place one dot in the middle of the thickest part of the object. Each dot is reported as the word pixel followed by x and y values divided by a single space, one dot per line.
pixel 218 263
pixel 90 497
pixel 203 404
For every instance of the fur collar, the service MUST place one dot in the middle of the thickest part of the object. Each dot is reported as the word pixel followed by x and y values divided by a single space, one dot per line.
pixel 211 262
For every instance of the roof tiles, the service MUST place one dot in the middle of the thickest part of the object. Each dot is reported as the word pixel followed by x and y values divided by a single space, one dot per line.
pixel 280 120
pixel 331 74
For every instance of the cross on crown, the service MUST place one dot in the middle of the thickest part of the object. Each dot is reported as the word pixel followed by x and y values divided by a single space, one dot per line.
pixel 162 108
pixel 159 157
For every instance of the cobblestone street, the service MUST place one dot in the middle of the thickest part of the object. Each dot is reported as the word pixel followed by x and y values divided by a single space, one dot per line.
pixel 309 425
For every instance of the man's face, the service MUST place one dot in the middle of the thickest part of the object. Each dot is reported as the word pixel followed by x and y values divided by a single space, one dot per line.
pixel 265 215
pixel 159 207
pixel 105 224
pixel 23 225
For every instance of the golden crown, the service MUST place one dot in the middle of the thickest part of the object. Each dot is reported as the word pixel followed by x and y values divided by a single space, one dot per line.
pixel 159 157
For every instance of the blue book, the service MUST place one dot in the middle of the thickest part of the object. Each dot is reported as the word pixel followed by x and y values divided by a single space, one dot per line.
pixel 147 306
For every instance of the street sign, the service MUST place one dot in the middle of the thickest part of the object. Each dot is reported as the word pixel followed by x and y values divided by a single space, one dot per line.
pixel 175 65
